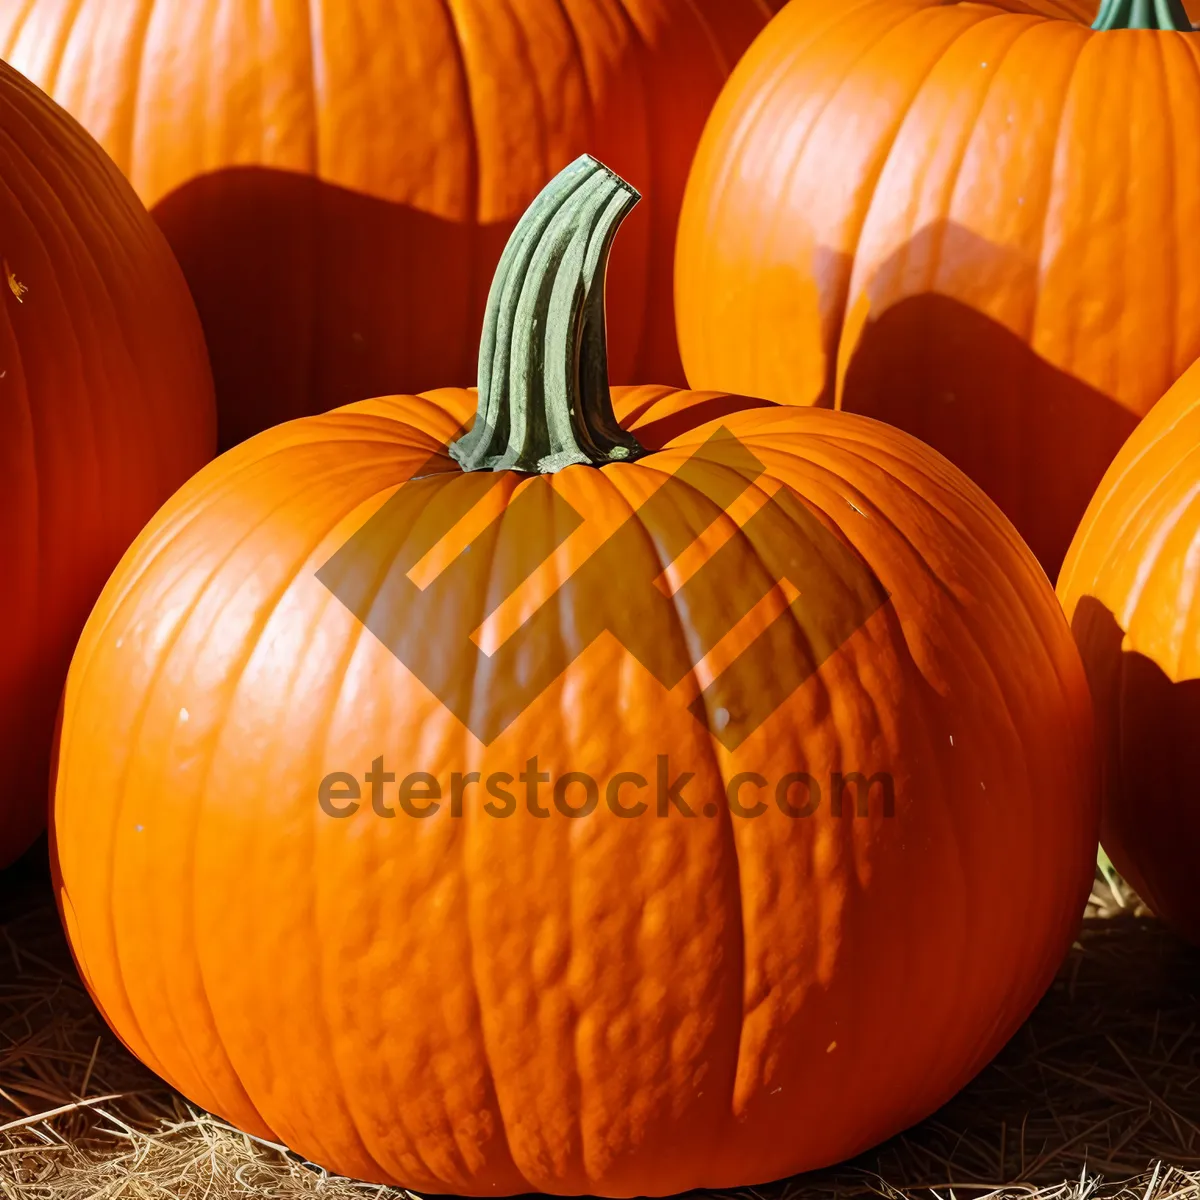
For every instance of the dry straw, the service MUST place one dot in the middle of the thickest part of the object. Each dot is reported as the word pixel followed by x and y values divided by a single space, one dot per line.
pixel 1098 1095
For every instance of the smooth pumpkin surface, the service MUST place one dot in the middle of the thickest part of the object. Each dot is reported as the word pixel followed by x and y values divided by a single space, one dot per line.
pixel 970 220
pixel 1129 587
pixel 338 178
pixel 106 406
pixel 473 1003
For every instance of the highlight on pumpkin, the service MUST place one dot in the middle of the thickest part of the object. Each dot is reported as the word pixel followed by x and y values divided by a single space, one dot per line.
pixel 15 286
pixel 666 766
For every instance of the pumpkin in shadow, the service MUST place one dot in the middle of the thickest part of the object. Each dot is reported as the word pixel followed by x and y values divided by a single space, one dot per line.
pixel 106 407
pixel 339 179
pixel 997 183
pixel 1129 587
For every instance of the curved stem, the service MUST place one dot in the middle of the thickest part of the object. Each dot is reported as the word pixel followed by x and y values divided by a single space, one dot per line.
pixel 544 401
pixel 1142 14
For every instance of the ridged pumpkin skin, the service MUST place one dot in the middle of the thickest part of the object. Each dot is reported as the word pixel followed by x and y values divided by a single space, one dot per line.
pixel 487 1006
pixel 106 407
pixel 338 178
pixel 1128 586
pixel 969 220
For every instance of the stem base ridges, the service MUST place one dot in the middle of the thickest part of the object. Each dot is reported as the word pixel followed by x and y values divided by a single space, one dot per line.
pixel 1142 14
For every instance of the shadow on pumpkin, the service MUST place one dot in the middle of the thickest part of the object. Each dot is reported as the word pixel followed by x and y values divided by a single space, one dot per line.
pixel 654 435
pixel 1147 731
pixel 312 295
pixel 1035 438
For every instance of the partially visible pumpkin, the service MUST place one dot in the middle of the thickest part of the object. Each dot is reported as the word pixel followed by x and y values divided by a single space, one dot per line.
pixel 1129 588
pixel 973 221
pixel 106 407
pixel 729 601
pixel 338 177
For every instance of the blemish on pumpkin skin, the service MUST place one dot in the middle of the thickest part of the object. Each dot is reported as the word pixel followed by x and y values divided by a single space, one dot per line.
pixel 15 286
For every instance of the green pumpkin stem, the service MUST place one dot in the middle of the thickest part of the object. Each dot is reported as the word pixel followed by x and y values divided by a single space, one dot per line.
pixel 544 401
pixel 1142 14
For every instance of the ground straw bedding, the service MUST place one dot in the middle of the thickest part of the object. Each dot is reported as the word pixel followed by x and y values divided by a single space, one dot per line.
pixel 1098 1095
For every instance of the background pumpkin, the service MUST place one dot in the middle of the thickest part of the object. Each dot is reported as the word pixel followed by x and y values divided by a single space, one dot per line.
pixel 1128 586
pixel 621 1007
pixel 338 180
pixel 106 406
pixel 973 221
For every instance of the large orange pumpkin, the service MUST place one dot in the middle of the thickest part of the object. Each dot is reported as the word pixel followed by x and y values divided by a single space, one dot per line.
pixel 1129 588
pixel 973 221
pixel 338 178
pixel 106 407
pixel 688 802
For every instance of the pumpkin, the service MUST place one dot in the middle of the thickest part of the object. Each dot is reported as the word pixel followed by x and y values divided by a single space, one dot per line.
pixel 972 221
pixel 553 802
pixel 106 406
pixel 1127 586
pixel 338 179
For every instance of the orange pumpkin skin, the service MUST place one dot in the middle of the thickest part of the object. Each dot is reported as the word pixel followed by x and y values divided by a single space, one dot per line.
pixel 1127 586
pixel 106 406
pixel 616 1007
pixel 338 179
pixel 936 214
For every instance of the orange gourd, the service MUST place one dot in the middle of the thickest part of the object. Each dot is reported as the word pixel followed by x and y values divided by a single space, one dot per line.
pixel 568 805
pixel 106 406
pixel 973 221
pixel 1128 586
pixel 338 177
